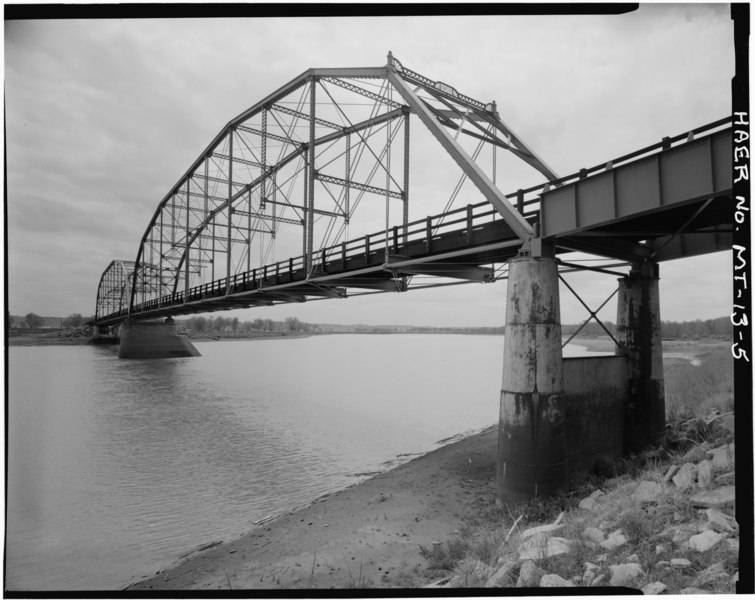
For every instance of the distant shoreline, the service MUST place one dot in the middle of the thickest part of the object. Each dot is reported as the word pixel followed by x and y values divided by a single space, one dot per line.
pixel 591 344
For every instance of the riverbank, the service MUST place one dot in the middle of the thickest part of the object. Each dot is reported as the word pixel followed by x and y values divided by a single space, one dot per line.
pixel 47 340
pixel 432 522
pixel 367 535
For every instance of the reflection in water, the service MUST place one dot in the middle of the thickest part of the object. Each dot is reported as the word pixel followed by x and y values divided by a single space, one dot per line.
pixel 116 467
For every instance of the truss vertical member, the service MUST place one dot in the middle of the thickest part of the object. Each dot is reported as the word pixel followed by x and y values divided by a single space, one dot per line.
pixel 405 221
pixel 230 211
pixel 309 214
pixel 186 237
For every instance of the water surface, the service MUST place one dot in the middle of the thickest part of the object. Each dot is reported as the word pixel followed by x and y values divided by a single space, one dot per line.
pixel 117 467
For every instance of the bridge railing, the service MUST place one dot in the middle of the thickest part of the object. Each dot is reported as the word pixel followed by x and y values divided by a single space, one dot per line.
pixel 424 231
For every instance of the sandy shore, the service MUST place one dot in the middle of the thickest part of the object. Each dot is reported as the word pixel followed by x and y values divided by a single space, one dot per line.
pixel 368 535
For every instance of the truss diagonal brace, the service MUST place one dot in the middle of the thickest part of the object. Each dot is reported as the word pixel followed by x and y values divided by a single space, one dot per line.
pixel 513 219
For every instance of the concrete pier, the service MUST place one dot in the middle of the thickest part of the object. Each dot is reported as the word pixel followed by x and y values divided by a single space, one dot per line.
pixel 532 456
pixel 153 339
pixel 638 325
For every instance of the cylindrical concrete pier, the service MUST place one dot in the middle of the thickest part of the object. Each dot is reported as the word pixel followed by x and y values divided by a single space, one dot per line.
pixel 532 457
pixel 638 327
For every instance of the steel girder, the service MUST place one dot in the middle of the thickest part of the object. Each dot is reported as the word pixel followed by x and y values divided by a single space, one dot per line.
pixel 295 166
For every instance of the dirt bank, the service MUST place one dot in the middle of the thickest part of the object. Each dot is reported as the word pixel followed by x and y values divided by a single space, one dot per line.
pixel 364 536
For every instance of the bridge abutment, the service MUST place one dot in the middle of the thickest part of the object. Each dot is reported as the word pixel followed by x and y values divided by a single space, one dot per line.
pixel 153 339
pixel 532 456
pixel 638 326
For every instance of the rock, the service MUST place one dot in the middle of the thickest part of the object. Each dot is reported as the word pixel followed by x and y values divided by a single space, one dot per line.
pixel 502 576
pixel 599 579
pixel 696 452
pixel 540 546
pixel 589 574
pixel 529 575
pixel 528 533
pixel 693 590
pixel 686 476
pixel 590 502
pixel 679 533
pixel 733 545
pixel 600 558
pixel 702 542
pixel 647 492
pixel 594 535
pixel 632 558
pixel 714 572
pixel 720 522
pixel 661 548
pixel 653 589
pixel 720 458
pixel 714 498
pixel 670 473
pixel 614 540
pixel 680 562
pixel 734 578
pixel 553 580
pixel 704 474
pixel 625 574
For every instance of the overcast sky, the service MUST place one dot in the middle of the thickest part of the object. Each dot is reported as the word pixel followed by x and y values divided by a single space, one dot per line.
pixel 103 117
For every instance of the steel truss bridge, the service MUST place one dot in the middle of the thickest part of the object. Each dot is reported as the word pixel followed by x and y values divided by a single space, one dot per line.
pixel 298 173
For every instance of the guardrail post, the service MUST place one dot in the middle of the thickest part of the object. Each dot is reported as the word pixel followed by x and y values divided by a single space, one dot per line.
pixel 429 233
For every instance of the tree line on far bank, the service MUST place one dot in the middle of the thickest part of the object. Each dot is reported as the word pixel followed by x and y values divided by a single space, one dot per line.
pixel 220 326
pixel 233 326
pixel 34 321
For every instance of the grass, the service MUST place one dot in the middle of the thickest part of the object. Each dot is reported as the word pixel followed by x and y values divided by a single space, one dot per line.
pixel 694 390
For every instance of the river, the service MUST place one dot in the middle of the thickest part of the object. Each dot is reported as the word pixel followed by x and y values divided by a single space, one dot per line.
pixel 117 467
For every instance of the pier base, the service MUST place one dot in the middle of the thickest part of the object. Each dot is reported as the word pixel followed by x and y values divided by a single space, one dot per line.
pixel 638 326
pixel 532 456
pixel 153 339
